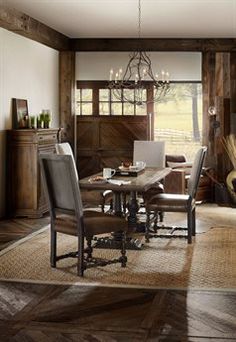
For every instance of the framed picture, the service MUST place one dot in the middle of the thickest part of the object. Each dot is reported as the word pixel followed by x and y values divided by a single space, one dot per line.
pixel 19 113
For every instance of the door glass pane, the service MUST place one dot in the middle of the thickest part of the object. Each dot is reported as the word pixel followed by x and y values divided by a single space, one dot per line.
pixel 104 94
pixel 115 95
pixel 141 110
pixel 141 94
pixel 87 95
pixel 77 95
pixel 128 94
pixel 128 109
pixel 104 108
pixel 87 109
pixel 116 108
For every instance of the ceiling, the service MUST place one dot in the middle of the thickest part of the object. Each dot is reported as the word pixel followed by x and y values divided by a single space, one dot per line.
pixel 119 18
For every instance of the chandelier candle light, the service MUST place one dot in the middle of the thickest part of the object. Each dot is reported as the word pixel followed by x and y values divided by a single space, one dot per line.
pixel 137 72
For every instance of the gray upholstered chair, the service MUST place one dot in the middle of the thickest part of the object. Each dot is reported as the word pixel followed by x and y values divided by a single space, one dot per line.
pixel 68 217
pixel 153 154
pixel 90 198
pixel 166 202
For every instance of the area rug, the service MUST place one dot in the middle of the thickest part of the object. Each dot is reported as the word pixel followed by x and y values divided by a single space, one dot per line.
pixel 210 262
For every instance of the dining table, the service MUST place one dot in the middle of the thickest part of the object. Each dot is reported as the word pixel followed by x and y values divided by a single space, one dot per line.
pixel 121 184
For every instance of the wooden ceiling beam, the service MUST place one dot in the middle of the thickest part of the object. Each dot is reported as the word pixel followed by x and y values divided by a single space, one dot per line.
pixel 153 44
pixel 26 26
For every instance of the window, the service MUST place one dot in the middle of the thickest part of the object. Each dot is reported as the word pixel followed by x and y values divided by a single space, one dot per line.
pixel 178 118
pixel 94 98
pixel 84 102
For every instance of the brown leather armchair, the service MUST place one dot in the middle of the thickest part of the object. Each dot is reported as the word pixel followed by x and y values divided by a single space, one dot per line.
pixel 177 181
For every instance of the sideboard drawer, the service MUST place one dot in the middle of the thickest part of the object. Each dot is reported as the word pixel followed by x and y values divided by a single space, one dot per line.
pixel 50 138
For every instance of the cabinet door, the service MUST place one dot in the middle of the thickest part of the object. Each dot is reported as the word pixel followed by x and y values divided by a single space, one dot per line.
pixel 23 178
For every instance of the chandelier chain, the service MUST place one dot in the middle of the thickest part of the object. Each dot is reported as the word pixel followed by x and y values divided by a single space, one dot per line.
pixel 139 19
pixel 129 85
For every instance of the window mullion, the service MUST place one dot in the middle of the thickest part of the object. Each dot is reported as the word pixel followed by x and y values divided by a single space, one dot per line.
pixel 96 101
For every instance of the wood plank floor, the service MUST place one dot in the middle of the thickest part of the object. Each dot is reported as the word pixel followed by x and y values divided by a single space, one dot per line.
pixel 14 229
pixel 32 312
pixel 40 312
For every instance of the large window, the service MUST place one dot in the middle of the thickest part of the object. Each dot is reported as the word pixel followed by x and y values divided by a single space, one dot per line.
pixel 178 118
pixel 94 98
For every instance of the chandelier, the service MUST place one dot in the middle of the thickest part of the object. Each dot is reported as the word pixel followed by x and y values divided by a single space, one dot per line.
pixel 135 76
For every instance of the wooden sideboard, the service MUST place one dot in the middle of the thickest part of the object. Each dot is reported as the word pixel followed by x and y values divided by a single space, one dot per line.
pixel 25 196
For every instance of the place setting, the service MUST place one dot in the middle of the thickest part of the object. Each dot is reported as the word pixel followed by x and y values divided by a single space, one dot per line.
pixel 106 177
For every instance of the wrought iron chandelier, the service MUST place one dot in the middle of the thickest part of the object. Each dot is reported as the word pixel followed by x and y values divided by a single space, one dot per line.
pixel 137 72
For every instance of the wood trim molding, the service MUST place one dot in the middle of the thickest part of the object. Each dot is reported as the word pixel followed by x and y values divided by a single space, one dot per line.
pixel 26 26
pixel 154 44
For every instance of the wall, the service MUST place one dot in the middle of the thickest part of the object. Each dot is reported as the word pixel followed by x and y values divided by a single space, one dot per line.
pixel 96 65
pixel 28 70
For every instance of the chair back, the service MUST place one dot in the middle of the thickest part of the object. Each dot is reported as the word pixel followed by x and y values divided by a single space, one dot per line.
pixel 61 185
pixel 196 171
pixel 151 152
pixel 65 149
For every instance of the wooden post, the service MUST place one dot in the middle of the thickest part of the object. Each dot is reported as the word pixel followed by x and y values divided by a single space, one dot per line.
pixel 67 96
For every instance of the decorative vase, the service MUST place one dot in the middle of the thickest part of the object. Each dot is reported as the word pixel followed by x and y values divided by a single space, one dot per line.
pixel 229 182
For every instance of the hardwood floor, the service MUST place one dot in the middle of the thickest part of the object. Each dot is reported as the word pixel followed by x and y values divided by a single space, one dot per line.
pixel 14 229
pixel 33 312
pixel 41 312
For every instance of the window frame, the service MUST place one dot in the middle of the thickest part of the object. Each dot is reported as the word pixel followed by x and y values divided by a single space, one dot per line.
pixel 97 85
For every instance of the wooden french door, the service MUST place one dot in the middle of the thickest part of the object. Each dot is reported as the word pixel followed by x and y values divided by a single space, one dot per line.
pixel 106 141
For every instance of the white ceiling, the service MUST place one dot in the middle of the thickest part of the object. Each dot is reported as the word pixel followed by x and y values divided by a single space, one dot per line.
pixel 119 18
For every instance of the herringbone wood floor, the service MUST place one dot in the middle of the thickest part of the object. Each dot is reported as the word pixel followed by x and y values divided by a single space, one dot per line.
pixel 34 312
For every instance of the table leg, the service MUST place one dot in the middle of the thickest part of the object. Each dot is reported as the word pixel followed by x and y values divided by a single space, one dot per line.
pixel 114 242
pixel 133 209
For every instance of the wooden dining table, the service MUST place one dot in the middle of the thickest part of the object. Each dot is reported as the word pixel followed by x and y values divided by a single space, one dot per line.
pixel 131 186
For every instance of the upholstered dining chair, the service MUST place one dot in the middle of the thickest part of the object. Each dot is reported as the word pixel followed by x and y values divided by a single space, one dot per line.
pixel 68 217
pixel 90 198
pixel 166 202
pixel 153 154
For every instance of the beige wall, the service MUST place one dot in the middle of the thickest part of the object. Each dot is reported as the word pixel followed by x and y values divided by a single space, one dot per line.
pixel 96 65
pixel 28 70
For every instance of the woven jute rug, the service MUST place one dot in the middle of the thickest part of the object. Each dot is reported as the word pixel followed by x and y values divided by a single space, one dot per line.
pixel 210 262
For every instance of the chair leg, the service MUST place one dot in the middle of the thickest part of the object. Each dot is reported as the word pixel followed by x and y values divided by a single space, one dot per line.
pixel 190 225
pixel 124 206
pixel 111 206
pixel 156 214
pixel 147 226
pixel 80 264
pixel 161 216
pixel 89 247
pixel 194 222
pixel 53 248
pixel 123 250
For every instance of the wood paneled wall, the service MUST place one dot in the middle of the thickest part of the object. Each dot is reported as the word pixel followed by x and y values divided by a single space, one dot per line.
pixel 219 88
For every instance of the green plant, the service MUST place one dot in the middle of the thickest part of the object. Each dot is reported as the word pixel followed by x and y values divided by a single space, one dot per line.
pixel 32 121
